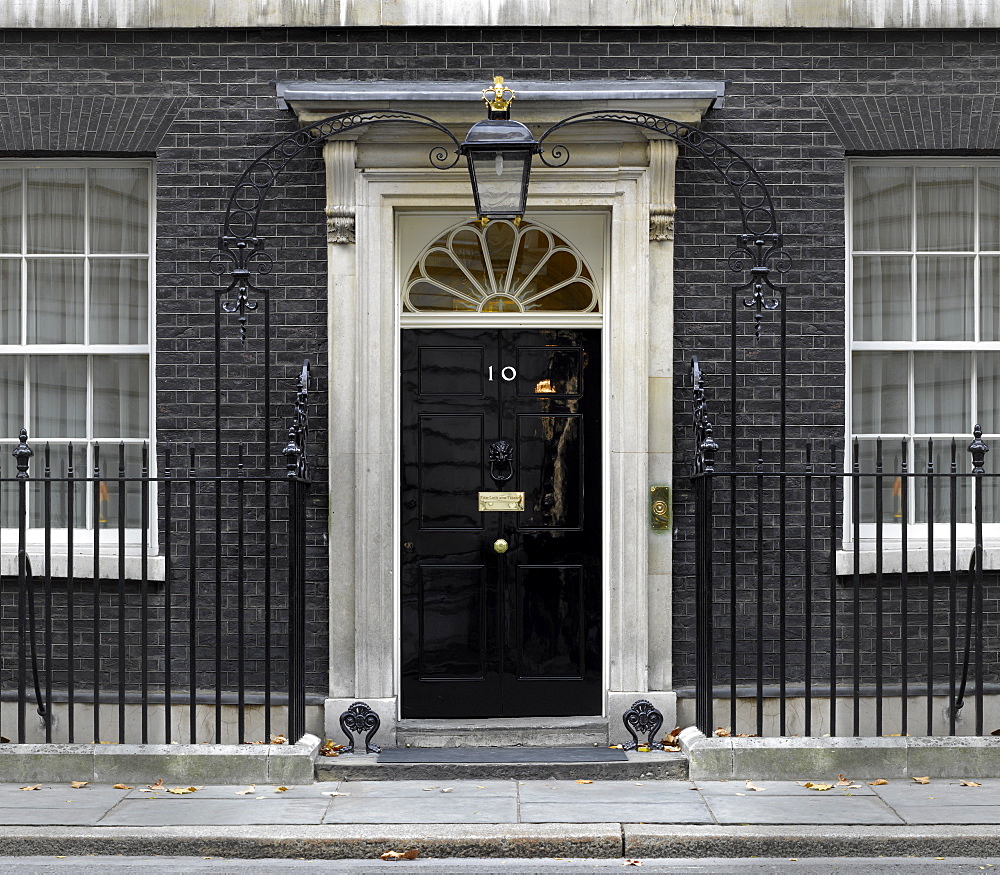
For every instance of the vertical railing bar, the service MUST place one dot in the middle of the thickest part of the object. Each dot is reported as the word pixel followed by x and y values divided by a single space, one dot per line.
pixel 122 664
pixel 782 594
pixel 979 450
pixel 952 585
pixel 192 599
pixel 167 597
pixel 23 455
pixel 47 502
pixel 904 500
pixel 96 503
pixel 70 598
pixel 879 582
pixel 856 583
pixel 760 588
pixel 733 592
pixel 807 588
pixel 144 591
pixel 832 558
pixel 240 599
pixel 218 611
pixel 930 586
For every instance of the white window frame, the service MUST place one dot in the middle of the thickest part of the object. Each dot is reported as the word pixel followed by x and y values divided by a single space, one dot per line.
pixel 83 537
pixel 916 532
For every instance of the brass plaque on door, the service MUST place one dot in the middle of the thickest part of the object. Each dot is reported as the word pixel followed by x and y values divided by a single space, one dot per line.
pixel 501 501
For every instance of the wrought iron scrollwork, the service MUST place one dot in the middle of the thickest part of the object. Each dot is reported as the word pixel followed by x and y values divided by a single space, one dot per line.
pixel 759 247
pixel 501 461
pixel 643 718
pixel 358 718
pixel 705 446
pixel 296 451
pixel 241 253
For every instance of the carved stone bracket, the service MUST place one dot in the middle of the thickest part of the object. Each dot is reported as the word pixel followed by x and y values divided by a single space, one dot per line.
pixel 340 210
pixel 662 162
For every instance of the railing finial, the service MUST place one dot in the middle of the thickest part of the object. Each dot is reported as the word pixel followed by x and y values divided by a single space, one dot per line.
pixel 979 449
pixel 22 453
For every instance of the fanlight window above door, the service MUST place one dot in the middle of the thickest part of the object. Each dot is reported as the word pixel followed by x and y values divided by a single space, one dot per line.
pixel 500 268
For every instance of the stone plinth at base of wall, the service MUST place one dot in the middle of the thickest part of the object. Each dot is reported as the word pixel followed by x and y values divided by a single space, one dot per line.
pixel 789 759
pixel 190 764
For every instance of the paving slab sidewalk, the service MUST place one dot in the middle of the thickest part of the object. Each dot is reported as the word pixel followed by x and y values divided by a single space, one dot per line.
pixel 506 818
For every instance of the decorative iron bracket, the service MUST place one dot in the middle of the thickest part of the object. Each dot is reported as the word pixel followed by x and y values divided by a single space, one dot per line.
pixel 358 718
pixel 705 446
pixel 296 451
pixel 645 719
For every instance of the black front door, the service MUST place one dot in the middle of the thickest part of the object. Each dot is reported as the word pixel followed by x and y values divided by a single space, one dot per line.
pixel 487 633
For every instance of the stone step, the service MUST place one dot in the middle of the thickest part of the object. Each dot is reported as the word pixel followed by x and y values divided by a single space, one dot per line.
pixel 504 732
pixel 636 767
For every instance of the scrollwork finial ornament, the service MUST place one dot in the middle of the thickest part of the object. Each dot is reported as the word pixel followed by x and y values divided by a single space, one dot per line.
pixel 22 453
pixel 243 256
pixel 765 255
pixel 358 718
pixel 705 446
pixel 979 449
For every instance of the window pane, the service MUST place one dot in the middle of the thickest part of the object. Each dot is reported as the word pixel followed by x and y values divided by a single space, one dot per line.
pixel 989 298
pixel 111 489
pixel 942 392
pixel 10 300
pixel 11 397
pixel 55 210
pixel 880 405
pixel 988 378
pixel 882 306
pixel 883 207
pixel 941 486
pixel 59 492
pixel 989 208
pixel 10 210
pixel 121 396
pixel 119 212
pixel 119 299
pixel 945 204
pixel 55 300
pixel 944 298
pixel 889 485
pixel 58 396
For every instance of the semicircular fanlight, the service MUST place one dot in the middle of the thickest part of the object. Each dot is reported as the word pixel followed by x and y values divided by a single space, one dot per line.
pixel 501 267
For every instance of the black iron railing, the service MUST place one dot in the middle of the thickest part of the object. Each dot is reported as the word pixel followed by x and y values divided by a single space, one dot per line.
pixel 849 599
pixel 141 604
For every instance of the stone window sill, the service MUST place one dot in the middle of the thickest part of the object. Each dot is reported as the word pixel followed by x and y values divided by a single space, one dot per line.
pixel 83 565
pixel 916 559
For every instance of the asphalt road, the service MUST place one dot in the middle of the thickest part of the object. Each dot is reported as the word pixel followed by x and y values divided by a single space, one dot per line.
pixel 804 866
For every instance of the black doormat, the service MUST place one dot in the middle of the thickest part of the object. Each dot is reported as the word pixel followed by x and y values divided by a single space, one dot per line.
pixel 502 755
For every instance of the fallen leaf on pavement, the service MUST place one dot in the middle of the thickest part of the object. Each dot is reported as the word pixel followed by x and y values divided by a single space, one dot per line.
pixel 673 736
pixel 752 786
pixel 76 785
pixel 583 781
pixel 922 780
pixel 446 789
pixel 248 792
pixel 844 782
pixel 121 787
pixel 404 855
pixel 33 787
pixel 878 782
pixel 181 791
pixel 333 793
pixel 280 789
pixel 720 732
pixel 632 863
pixel 278 739
pixel 809 785
pixel 970 783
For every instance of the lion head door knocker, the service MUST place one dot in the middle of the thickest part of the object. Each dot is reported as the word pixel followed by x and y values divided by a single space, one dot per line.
pixel 501 461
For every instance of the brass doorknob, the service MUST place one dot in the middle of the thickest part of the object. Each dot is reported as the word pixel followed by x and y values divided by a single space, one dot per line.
pixel 500 545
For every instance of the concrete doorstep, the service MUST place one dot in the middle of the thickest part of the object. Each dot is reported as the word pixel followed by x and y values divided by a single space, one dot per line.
pixel 779 759
pixel 146 763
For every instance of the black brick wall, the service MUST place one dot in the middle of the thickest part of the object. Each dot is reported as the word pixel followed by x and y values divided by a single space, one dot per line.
pixel 781 86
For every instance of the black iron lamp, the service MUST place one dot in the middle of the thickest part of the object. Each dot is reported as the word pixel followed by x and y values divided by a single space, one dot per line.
pixel 499 152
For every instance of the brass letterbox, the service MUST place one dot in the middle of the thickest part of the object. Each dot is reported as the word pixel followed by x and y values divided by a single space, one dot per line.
pixel 501 501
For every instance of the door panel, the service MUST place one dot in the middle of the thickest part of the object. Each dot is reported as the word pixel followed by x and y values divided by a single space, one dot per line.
pixel 516 633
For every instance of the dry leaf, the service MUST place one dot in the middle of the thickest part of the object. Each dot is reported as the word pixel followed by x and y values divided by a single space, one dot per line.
pixel 642 748
pixel 922 780
pixel 248 792
pixel 76 785
pixel 446 789
pixel 582 781
pixel 278 739
pixel 280 789
pixel 878 782
pixel 970 783
pixel 632 863
pixel 995 732
pixel 722 733
pixel 33 787
pixel 752 786
pixel 157 786
pixel 329 749
pixel 428 789
pixel 332 793
pixel 397 855
pixel 121 787
pixel 181 791
pixel 673 736
pixel 809 785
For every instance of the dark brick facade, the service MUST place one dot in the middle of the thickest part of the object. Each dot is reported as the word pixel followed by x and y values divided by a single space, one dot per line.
pixel 795 101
